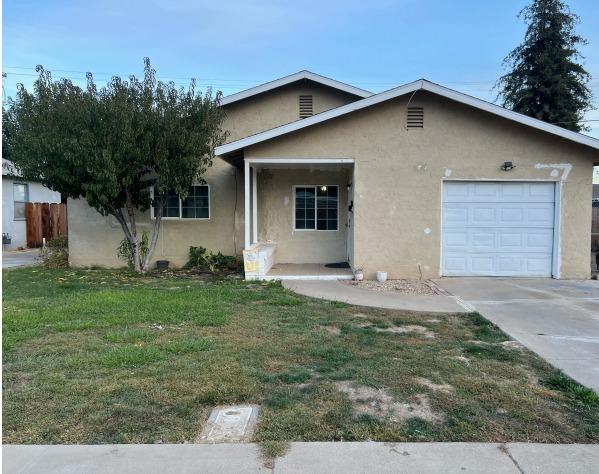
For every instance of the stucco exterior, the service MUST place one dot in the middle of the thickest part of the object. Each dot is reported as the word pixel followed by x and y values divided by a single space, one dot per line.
pixel 93 238
pixel 275 215
pixel 399 173
pixel 395 181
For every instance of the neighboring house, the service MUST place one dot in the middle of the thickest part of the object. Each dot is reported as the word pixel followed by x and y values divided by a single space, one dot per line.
pixel 15 194
pixel 420 181
pixel 595 195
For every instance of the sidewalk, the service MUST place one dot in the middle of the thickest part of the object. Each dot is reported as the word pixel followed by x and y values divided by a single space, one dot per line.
pixel 335 291
pixel 330 458
pixel 19 258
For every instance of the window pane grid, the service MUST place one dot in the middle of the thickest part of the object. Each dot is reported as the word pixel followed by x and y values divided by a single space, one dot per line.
pixel 20 193
pixel 316 207
pixel 195 206
pixel 197 203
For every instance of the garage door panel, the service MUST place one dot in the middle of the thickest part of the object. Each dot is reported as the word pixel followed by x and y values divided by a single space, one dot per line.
pixel 465 191
pixel 502 238
pixel 497 265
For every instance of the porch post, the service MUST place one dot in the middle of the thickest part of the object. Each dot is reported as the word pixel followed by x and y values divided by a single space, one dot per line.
pixel 246 204
pixel 254 205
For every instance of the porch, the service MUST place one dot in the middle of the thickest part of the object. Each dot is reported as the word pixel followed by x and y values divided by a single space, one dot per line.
pixel 298 218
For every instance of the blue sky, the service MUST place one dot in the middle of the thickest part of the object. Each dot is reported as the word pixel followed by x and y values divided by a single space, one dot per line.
pixel 233 45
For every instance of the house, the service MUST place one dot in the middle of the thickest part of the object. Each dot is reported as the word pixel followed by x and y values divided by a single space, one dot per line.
pixel 16 192
pixel 420 181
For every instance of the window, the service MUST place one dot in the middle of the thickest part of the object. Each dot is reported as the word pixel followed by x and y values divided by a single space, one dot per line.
pixel 20 194
pixel 195 206
pixel 316 207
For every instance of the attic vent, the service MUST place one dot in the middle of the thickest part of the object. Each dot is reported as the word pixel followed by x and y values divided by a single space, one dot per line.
pixel 305 106
pixel 415 117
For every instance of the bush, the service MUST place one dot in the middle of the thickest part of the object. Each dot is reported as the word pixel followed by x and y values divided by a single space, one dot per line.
pixel 56 253
pixel 125 249
pixel 201 259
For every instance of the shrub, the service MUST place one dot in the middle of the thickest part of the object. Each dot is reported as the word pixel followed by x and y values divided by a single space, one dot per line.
pixel 201 259
pixel 125 250
pixel 56 253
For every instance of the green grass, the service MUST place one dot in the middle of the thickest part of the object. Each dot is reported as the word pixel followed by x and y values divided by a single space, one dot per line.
pixel 96 356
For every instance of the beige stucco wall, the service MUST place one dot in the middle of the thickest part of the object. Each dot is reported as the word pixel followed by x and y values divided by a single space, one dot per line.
pixel 398 177
pixel 275 216
pixel 93 239
pixel 279 106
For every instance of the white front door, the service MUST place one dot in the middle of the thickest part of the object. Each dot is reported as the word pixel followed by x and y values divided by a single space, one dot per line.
pixel 497 228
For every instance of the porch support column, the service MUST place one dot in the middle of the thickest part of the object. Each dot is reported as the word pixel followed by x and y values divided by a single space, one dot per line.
pixel 246 204
pixel 254 205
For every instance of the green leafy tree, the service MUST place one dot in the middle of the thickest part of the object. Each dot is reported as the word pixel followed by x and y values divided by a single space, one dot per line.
pixel 121 147
pixel 546 80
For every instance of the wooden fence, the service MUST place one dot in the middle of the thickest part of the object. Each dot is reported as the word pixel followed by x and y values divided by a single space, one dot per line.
pixel 45 221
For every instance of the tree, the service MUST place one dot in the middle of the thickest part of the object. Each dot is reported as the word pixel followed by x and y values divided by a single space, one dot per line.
pixel 122 147
pixel 546 81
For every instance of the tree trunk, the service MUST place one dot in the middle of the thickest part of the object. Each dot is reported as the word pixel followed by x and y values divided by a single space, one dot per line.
pixel 155 231
pixel 135 250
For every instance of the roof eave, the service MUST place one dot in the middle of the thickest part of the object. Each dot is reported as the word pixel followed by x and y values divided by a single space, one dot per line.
pixel 421 84
pixel 283 81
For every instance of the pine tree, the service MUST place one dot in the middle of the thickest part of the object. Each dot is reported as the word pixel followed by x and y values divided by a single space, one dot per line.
pixel 546 80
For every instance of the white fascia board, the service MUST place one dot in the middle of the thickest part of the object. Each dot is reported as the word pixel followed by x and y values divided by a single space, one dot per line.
pixel 421 84
pixel 510 114
pixel 283 81
pixel 314 119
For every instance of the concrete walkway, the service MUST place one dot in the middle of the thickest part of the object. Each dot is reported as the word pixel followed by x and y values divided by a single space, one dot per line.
pixel 337 291
pixel 330 458
pixel 557 319
pixel 19 258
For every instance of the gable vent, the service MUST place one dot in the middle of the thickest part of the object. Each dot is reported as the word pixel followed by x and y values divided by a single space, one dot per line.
pixel 415 117
pixel 305 106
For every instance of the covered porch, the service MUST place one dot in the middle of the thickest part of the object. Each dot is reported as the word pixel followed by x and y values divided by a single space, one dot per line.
pixel 298 218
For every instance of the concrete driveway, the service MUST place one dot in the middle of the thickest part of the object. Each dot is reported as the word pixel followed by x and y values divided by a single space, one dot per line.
pixel 557 319
pixel 20 258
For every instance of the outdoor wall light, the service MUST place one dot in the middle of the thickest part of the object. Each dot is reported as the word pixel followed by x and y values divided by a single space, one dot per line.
pixel 323 188
pixel 508 166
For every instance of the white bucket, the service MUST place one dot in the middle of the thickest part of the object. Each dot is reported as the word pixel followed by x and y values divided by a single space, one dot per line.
pixel 381 276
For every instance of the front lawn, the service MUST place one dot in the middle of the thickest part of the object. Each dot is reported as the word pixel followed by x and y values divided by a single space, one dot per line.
pixel 94 356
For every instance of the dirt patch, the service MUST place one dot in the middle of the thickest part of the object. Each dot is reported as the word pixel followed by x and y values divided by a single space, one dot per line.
pixel 407 287
pixel 360 315
pixel 444 388
pixel 514 345
pixel 332 330
pixel 407 329
pixel 21 380
pixel 378 403
pixel 463 359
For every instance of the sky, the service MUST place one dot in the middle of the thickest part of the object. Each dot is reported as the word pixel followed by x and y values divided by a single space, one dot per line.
pixel 233 45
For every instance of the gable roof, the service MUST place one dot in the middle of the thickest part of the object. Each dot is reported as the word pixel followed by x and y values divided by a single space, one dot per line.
pixel 283 81
pixel 421 84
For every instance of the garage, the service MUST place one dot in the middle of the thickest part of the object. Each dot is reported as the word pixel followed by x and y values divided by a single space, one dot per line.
pixel 497 228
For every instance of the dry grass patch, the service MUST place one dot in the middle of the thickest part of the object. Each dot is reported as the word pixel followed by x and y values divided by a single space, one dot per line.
pixel 378 403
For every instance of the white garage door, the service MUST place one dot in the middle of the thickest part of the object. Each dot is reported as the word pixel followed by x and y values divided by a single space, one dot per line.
pixel 497 228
